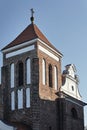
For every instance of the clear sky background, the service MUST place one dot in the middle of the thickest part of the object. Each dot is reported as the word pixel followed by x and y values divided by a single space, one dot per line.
pixel 63 22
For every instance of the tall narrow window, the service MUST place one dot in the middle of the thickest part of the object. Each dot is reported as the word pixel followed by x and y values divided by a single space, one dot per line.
pixel 50 128
pixel 55 78
pixel 20 99
pixel 27 97
pixel 44 72
pixel 12 75
pixel 20 74
pixel 28 73
pixel 12 101
pixel 74 113
pixel 50 75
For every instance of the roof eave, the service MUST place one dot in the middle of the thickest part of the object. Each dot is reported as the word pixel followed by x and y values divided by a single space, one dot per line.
pixel 28 43
pixel 55 50
pixel 19 46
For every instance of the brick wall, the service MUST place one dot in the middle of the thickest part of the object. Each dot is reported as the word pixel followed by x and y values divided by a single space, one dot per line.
pixel 66 120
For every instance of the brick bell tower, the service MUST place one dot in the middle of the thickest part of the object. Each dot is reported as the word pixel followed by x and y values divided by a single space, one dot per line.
pixel 34 95
pixel 31 75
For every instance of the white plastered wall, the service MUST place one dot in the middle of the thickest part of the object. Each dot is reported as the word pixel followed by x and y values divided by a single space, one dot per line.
pixel 70 86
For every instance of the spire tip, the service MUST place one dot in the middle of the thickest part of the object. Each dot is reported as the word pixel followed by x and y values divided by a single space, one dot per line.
pixel 32 17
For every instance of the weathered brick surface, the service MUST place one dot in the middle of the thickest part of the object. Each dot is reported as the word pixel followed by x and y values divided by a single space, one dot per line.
pixel 1 103
pixel 47 111
pixel 65 119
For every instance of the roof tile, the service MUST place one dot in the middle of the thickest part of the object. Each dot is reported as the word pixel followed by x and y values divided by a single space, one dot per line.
pixel 30 33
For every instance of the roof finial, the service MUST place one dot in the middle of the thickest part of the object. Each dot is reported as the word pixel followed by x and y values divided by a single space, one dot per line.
pixel 32 18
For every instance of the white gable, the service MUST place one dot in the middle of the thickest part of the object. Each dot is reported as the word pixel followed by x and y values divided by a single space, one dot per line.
pixel 70 82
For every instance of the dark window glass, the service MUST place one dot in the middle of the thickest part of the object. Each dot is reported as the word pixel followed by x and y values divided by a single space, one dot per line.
pixel 50 76
pixel 74 113
pixel 50 128
pixel 72 88
pixel 20 74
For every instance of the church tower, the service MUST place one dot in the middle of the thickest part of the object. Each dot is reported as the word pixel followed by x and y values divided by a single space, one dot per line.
pixel 36 96
pixel 31 75
pixel 70 101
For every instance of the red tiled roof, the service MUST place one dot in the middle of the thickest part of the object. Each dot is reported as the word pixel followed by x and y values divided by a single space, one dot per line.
pixel 30 33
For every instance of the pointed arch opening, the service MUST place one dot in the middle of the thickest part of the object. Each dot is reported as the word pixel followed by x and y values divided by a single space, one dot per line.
pixel 74 113
pixel 12 75
pixel 12 100
pixel 55 78
pixel 50 128
pixel 50 75
pixel 27 97
pixel 28 71
pixel 20 99
pixel 20 74
pixel 44 72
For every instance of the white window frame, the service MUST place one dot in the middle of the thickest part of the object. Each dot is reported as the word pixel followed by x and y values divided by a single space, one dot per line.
pixel 55 78
pixel 27 97
pixel 28 71
pixel 12 75
pixel 12 100
pixel 44 72
pixel 20 99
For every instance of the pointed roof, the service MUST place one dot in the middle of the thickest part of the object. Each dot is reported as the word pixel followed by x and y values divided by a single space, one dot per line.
pixel 30 33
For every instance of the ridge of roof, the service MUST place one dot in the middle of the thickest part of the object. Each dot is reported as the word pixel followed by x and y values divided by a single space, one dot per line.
pixel 30 32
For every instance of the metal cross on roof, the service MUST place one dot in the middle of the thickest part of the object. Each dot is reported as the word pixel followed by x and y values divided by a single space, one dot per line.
pixel 32 12
pixel 32 18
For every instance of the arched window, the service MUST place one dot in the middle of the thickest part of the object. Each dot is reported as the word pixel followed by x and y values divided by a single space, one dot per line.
pixel 44 72
pixel 12 75
pixel 50 75
pixel 50 128
pixel 74 113
pixel 12 101
pixel 27 97
pixel 28 71
pixel 55 78
pixel 20 74
pixel 20 99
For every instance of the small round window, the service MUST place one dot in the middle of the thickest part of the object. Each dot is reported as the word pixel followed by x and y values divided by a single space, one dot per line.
pixel 72 88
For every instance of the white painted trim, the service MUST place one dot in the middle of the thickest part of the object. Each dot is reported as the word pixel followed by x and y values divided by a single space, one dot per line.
pixel 49 47
pixel 71 94
pixel 28 73
pixel 73 102
pixel 20 99
pixel 48 53
pixel 27 97
pixel 44 72
pixel 12 100
pixel 55 78
pixel 18 46
pixel 12 75
pixel 20 51
pixel 28 43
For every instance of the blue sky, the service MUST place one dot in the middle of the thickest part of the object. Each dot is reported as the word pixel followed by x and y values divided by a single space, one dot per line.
pixel 64 22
